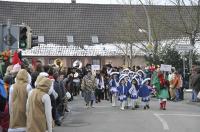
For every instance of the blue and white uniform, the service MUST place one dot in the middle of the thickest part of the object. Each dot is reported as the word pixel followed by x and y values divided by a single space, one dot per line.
pixel 144 92
pixel 141 76
pixel 131 75
pixel 114 83
pixel 133 92
pixel 122 92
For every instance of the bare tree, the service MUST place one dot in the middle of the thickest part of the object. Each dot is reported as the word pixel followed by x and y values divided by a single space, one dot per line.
pixel 148 41
pixel 188 20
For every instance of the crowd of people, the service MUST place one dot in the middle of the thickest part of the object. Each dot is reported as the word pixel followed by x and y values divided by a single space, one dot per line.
pixel 36 98
pixel 129 87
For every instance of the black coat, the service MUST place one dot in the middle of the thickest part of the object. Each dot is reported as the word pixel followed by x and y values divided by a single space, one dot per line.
pixel 195 82
pixel 57 88
pixel 34 76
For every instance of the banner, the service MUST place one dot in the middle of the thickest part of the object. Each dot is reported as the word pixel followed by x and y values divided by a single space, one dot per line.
pixel 95 67
pixel 166 68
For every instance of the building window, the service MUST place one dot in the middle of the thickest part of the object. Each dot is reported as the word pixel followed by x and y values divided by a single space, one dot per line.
pixel 70 39
pixel 51 60
pixel 96 61
pixel 41 39
pixel 95 39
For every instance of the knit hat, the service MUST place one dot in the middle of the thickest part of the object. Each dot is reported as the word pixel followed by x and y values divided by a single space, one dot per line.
pixel 145 80
pixel 125 75
pixel 126 69
pixel 22 75
pixel 44 84
pixel 134 78
pixel 16 59
pixel 114 73
pixel 44 74
pixel 131 72
pixel 122 77
pixel 16 68
pixel 39 78
pixel 140 71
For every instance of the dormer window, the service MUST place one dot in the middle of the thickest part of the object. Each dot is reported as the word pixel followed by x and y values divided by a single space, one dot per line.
pixel 70 39
pixel 95 39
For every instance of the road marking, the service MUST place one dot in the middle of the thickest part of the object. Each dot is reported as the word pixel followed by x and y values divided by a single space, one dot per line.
pixel 186 115
pixel 95 106
pixel 164 123
pixel 101 106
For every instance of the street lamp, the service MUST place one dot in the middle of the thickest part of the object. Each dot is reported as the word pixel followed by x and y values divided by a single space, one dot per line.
pixel 148 22
pixel 144 31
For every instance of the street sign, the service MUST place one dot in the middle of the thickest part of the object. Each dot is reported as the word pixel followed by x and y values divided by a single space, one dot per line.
pixel 9 40
pixel 95 67
pixel 185 47
pixel 166 68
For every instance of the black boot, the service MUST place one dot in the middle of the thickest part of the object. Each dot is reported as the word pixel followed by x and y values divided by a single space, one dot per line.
pixel 91 104
pixel 147 106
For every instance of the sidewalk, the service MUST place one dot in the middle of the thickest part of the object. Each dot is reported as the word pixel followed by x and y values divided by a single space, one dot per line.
pixel 188 98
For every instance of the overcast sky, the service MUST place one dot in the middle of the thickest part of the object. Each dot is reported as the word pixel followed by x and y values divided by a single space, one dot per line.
pixel 156 2
pixel 93 1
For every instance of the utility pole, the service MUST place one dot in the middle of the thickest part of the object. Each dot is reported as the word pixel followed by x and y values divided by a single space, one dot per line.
pixel 8 41
pixel 194 34
pixel 192 42
pixel 148 21
pixel 131 55
pixel 183 57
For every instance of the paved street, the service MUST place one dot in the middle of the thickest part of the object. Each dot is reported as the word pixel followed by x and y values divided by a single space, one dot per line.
pixel 179 117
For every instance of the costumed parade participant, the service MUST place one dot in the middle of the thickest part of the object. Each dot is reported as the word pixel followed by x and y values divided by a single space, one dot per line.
pixel 109 69
pixel 163 94
pixel 144 92
pixel 122 92
pixel 131 75
pixel 88 86
pixel 126 71
pixel 3 95
pixel 17 101
pixel 141 76
pixel 137 102
pixel 100 86
pixel 128 85
pixel 39 116
pixel 114 83
pixel 133 91
pixel 155 82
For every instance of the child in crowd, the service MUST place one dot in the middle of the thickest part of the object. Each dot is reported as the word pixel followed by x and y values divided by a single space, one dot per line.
pixel 144 93
pixel 114 83
pixel 133 91
pixel 122 92
pixel 128 85
pixel 163 93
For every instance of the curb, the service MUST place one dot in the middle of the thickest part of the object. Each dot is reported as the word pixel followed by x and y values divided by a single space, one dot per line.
pixel 188 90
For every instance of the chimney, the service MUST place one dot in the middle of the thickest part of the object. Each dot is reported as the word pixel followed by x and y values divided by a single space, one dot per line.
pixel 73 1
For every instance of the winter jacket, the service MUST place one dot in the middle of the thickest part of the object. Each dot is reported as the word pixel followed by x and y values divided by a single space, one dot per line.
pixel 144 91
pixel 17 101
pixel 195 82
pixel 89 83
pixel 39 117
pixel 177 82
pixel 57 87
pixel 122 92
pixel 3 96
